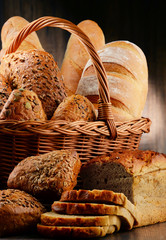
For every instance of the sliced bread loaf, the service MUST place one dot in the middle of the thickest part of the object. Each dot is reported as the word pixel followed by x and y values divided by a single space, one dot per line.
pixel 55 219
pixel 68 231
pixel 127 220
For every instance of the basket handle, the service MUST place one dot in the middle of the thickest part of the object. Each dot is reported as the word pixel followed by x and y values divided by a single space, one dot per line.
pixel 105 109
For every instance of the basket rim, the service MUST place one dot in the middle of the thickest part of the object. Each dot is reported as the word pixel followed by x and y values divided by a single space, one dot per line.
pixel 62 127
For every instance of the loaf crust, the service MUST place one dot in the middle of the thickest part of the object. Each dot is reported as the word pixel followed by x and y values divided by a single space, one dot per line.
pixel 79 232
pixel 37 71
pixel 5 91
pixel 74 108
pixel 23 105
pixel 95 209
pixel 19 211
pixel 100 196
pixel 140 175
pixel 47 175
pixel 127 74
pixel 55 219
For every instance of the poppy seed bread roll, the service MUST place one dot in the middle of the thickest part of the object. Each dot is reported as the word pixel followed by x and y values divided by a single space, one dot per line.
pixel 127 74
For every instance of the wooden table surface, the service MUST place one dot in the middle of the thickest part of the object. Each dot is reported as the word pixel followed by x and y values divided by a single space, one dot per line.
pixel 153 232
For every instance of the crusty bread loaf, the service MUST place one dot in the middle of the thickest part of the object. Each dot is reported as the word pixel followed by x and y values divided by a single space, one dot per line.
pixel 140 175
pixel 127 74
pixel 5 91
pixel 19 211
pixel 76 54
pixel 23 105
pixel 9 31
pixel 74 108
pixel 76 232
pixel 127 220
pixel 100 196
pixel 55 219
pixel 46 175
pixel 37 71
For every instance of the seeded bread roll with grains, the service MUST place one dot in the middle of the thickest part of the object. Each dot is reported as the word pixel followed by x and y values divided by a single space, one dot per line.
pixel 74 108
pixel 5 91
pixel 47 175
pixel 19 212
pixel 37 71
pixel 23 105
pixel 140 175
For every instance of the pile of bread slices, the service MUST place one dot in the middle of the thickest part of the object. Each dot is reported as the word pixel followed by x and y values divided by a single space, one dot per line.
pixel 118 187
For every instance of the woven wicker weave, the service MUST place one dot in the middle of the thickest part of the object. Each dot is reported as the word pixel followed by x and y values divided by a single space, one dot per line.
pixel 26 138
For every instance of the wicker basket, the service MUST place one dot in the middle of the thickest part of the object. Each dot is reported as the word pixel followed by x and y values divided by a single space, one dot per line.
pixel 26 138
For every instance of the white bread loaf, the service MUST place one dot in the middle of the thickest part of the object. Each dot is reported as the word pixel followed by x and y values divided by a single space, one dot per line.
pixel 76 55
pixel 127 73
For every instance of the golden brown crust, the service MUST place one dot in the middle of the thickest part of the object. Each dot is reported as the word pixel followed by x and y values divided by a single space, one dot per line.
pixel 94 209
pixel 5 91
pixel 37 71
pixel 136 162
pixel 23 105
pixel 78 232
pixel 9 31
pixel 19 211
pixel 74 108
pixel 76 55
pixel 47 175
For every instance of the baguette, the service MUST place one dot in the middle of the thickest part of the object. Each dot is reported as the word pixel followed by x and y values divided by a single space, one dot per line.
pixel 76 54
pixel 127 74
pixel 9 31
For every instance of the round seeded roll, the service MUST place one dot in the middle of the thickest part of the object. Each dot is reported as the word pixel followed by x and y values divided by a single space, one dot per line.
pixel 5 91
pixel 37 71
pixel 75 108
pixel 19 212
pixel 23 105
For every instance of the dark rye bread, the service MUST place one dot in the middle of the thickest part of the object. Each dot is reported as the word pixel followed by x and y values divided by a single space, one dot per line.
pixel 74 232
pixel 100 196
pixel 72 208
pixel 47 175
pixel 19 212
pixel 37 71
pixel 140 175
pixel 23 105
pixel 5 91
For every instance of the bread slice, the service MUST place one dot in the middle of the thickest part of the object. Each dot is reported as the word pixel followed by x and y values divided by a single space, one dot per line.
pixel 55 219
pixel 100 196
pixel 70 231
pixel 127 220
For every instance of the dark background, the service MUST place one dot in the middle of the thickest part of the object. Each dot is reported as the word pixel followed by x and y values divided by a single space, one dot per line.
pixel 141 22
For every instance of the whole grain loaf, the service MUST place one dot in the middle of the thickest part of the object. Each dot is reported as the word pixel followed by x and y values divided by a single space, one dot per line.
pixel 5 91
pixel 47 175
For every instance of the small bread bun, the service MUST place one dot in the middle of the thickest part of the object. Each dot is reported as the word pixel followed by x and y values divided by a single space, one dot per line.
pixel 75 108
pixel 23 105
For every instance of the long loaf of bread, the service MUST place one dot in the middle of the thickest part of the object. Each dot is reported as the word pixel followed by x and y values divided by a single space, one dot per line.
pixel 76 56
pixel 10 30
pixel 127 73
